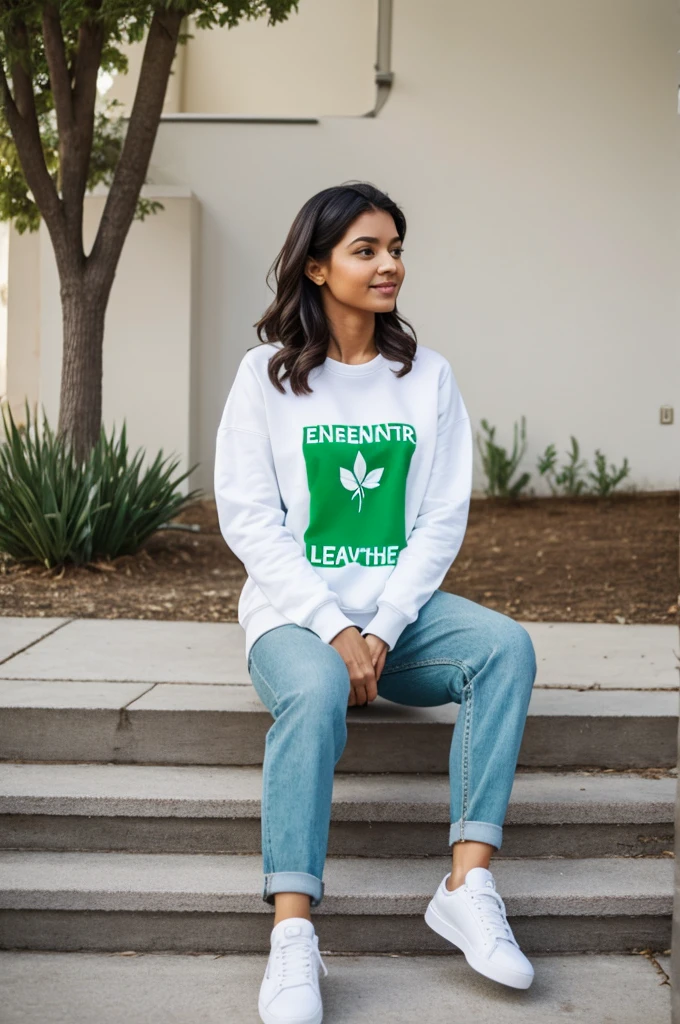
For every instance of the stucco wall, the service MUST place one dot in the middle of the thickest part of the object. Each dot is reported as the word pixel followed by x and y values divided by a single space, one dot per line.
pixel 318 61
pixel 534 148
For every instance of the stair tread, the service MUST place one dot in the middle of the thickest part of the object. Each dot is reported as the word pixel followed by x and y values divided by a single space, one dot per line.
pixel 241 698
pixel 353 885
pixel 78 988
pixel 228 791
pixel 176 651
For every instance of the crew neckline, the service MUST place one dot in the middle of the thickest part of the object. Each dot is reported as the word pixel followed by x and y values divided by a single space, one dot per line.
pixel 355 369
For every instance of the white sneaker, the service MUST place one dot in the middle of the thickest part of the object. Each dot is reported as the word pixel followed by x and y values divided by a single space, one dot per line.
pixel 289 993
pixel 472 917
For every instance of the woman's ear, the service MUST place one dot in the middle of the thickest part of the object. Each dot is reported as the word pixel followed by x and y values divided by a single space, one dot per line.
pixel 314 271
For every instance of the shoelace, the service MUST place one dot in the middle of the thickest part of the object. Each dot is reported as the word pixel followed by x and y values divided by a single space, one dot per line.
pixel 296 958
pixel 492 913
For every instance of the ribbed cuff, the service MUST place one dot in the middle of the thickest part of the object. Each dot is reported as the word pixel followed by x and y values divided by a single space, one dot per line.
pixel 328 621
pixel 387 623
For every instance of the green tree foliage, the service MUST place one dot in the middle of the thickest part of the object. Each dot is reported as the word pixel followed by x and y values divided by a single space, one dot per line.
pixel 58 139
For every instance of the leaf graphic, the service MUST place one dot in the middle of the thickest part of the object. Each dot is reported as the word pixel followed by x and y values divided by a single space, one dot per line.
pixel 347 479
pixel 357 480
pixel 360 468
pixel 373 478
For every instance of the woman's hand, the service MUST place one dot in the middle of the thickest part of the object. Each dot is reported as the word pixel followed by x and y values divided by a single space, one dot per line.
pixel 364 658
pixel 378 649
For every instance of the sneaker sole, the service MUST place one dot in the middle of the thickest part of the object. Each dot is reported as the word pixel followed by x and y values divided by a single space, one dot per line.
pixel 268 1018
pixel 512 978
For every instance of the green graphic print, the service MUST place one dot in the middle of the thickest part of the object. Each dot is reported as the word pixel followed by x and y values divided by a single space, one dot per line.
pixel 357 485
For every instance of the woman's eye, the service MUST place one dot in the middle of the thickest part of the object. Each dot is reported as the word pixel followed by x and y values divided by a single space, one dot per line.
pixel 398 250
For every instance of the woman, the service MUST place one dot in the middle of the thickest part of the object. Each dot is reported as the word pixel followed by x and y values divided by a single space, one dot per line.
pixel 343 485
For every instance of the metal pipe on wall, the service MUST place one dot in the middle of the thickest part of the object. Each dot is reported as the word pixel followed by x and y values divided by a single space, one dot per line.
pixel 384 75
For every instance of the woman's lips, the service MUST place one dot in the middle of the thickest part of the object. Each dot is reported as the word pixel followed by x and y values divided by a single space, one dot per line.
pixel 386 289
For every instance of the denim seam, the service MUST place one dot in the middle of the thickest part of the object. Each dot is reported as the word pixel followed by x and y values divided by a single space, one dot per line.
pixel 474 821
pixel 265 819
pixel 468 693
pixel 266 837
pixel 274 697
pixel 431 661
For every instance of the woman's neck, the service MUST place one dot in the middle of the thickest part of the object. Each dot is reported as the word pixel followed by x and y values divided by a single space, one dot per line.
pixel 352 337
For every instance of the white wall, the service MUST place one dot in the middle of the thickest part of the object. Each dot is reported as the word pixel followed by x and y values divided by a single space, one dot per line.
pixel 4 274
pixel 534 148
pixel 21 315
pixel 318 61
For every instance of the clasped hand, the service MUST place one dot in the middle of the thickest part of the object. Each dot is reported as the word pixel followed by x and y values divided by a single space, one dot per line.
pixel 365 658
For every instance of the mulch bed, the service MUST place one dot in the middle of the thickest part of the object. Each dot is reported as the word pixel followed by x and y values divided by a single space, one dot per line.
pixel 554 559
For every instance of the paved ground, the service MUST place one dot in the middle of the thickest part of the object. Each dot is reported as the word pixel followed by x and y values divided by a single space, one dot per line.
pixel 202 664
pixel 153 988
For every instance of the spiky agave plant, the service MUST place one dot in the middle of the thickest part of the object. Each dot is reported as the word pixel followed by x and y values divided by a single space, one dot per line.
pixel 56 509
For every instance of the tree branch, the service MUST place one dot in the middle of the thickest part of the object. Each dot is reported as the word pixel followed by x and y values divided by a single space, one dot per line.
pixel 75 111
pixel 133 165
pixel 60 79
pixel 85 71
pixel 22 119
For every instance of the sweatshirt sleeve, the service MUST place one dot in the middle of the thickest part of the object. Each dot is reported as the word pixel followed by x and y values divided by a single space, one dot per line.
pixel 440 525
pixel 251 514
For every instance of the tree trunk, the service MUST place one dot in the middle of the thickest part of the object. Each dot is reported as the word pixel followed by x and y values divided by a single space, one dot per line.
pixel 80 403
pixel 85 280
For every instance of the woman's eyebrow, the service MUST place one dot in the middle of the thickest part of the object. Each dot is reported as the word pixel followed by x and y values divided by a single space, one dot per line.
pixel 368 238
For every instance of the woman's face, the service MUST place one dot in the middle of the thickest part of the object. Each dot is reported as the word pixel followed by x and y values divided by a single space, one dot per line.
pixel 364 261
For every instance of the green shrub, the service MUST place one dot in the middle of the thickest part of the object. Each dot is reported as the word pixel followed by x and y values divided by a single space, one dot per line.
pixel 568 478
pixel 604 482
pixel 499 467
pixel 55 510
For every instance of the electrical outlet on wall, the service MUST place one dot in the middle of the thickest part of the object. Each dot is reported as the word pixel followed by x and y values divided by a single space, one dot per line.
pixel 666 414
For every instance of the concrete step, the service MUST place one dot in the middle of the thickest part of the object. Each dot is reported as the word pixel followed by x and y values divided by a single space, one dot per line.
pixel 189 809
pixel 202 902
pixel 222 724
pixel 79 988
pixel 635 656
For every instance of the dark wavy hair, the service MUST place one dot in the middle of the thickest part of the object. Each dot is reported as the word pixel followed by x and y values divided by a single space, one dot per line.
pixel 296 316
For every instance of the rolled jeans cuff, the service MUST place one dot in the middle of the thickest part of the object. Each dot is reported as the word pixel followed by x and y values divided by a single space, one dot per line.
pixel 293 881
pixel 479 831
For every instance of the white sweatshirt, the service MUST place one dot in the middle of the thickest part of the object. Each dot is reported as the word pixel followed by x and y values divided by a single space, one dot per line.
pixel 346 506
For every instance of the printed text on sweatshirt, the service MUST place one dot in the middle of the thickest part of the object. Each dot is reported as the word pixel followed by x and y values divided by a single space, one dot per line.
pixel 346 506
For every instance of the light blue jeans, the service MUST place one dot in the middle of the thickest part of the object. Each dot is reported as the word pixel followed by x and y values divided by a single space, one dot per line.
pixel 456 650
